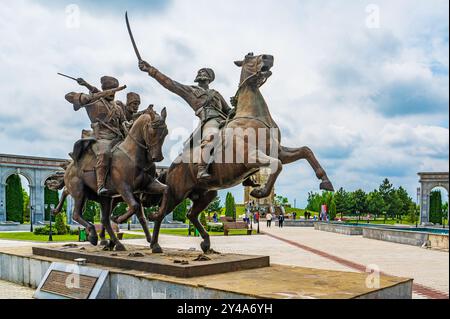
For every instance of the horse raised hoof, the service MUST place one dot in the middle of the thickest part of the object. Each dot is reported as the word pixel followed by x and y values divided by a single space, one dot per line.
pixel 327 186
pixel 259 193
pixel 205 246
pixel 156 249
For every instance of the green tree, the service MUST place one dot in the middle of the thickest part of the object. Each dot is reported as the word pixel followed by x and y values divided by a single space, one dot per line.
pixel 359 201
pixel 395 204
pixel 26 208
pixel 230 206
pixel 342 201
pixel 179 213
pixel 406 201
pixel 281 200
pixel 203 219
pixel 332 210
pixel 91 209
pixel 413 213
pixel 375 203
pixel 314 202
pixel 386 189
pixel 14 199
pixel 51 197
pixel 436 207
pixel 120 209
pixel 214 207
pixel 60 224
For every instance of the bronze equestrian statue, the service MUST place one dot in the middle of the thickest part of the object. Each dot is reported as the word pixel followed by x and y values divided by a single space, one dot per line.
pixel 184 179
pixel 132 171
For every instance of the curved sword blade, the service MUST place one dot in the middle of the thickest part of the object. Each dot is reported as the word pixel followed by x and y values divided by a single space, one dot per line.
pixel 132 38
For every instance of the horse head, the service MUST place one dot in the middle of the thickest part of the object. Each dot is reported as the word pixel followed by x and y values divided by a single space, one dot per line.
pixel 255 69
pixel 154 133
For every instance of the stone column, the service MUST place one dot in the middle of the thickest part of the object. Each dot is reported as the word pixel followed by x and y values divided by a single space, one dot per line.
pixel 424 205
pixel 2 202
pixel 69 212
pixel 38 203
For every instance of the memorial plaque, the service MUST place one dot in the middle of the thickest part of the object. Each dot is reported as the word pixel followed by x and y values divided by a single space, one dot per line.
pixel 70 281
pixel 57 283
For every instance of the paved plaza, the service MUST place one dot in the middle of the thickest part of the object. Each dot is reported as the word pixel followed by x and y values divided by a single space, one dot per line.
pixel 310 248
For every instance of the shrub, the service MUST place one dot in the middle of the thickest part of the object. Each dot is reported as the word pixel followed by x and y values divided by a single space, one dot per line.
pixel 45 230
pixel 60 224
pixel 218 228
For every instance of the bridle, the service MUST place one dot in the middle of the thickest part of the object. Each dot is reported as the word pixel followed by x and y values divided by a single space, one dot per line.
pixel 156 125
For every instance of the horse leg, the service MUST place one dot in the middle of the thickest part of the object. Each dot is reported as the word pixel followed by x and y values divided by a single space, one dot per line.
pixel 58 208
pixel 154 245
pixel 199 205
pixel 266 161
pixel 134 207
pixel 79 202
pixel 102 236
pixel 158 188
pixel 289 155
pixel 106 213
pixel 143 221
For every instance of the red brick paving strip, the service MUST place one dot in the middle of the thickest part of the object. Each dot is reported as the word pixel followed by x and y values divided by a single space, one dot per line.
pixel 417 288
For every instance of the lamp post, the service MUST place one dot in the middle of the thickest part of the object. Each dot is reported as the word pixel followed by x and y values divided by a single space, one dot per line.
pixel 417 209
pixel 51 207
pixel 31 218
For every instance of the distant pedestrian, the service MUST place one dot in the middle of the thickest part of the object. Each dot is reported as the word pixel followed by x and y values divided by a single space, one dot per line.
pixel 294 215
pixel 215 219
pixel 280 220
pixel 269 220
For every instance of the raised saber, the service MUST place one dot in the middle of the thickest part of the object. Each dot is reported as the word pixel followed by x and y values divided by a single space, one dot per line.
pixel 132 38
pixel 66 76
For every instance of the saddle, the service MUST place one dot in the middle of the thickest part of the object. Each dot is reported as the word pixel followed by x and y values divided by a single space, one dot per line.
pixel 82 145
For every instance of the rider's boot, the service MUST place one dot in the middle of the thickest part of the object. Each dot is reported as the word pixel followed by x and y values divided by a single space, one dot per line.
pixel 101 169
pixel 206 149
pixel 203 172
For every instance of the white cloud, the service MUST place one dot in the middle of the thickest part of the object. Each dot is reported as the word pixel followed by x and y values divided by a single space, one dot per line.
pixel 328 67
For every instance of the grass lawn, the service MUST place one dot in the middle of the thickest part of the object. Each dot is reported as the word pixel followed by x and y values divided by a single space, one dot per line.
pixel 26 236
pixel 185 232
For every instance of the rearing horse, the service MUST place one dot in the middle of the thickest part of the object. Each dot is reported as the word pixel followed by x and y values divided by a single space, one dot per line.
pixel 252 114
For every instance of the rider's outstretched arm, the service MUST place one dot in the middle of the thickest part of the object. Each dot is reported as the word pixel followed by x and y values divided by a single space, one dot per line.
pixel 179 89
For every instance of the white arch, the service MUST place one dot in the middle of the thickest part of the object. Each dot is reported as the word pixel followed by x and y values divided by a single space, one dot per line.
pixel 25 173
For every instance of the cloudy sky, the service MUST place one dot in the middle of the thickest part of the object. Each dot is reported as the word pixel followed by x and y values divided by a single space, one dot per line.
pixel 363 83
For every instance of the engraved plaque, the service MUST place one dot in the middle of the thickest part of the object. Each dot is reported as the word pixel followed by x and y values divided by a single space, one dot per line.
pixel 57 283
pixel 71 281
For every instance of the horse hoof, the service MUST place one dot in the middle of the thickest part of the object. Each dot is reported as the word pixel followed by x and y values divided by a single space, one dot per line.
pixel 258 193
pixel 120 247
pixel 327 186
pixel 104 242
pixel 205 246
pixel 156 249
pixel 93 240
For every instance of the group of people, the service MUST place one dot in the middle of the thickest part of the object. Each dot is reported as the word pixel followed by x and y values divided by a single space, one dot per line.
pixel 269 218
